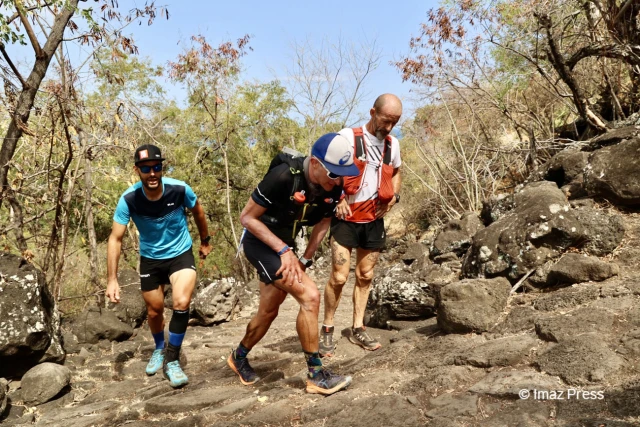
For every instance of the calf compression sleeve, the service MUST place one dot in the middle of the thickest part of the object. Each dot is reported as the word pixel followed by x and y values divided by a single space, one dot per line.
pixel 178 327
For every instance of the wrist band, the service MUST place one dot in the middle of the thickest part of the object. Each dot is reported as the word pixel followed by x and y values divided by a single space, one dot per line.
pixel 284 250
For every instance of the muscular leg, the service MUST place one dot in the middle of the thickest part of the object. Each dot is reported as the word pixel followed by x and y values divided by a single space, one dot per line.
pixel 366 261
pixel 270 300
pixel 155 308
pixel 340 264
pixel 183 283
pixel 308 296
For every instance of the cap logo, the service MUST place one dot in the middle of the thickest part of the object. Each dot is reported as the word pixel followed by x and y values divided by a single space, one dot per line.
pixel 344 158
pixel 143 154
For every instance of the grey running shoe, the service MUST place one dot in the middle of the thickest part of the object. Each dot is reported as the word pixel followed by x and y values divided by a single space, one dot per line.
pixel 327 347
pixel 173 372
pixel 359 336
pixel 241 367
pixel 326 382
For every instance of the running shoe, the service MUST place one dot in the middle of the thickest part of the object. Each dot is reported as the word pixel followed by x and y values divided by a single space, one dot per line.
pixel 156 362
pixel 173 372
pixel 326 382
pixel 359 336
pixel 327 346
pixel 241 367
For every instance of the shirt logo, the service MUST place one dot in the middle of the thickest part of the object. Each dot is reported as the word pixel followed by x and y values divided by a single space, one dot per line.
pixel 145 275
pixel 143 154
pixel 328 200
pixel 170 204
pixel 344 158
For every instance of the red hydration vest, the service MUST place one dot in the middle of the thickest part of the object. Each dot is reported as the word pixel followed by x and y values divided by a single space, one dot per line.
pixel 352 184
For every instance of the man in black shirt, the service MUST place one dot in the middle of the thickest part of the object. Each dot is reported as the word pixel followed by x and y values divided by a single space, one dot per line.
pixel 294 192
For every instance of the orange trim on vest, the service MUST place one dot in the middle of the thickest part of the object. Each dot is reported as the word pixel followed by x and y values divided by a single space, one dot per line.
pixel 352 184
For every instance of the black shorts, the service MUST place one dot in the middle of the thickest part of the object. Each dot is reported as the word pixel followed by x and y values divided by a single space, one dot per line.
pixel 156 272
pixel 262 257
pixel 366 235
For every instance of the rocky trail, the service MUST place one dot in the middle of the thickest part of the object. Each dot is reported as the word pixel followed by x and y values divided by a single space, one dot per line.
pixel 584 338
pixel 459 347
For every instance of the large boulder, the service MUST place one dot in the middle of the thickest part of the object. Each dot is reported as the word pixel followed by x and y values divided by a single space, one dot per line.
pixel 610 170
pixel 96 324
pixel 216 301
pixel 29 321
pixel 575 268
pixel 397 294
pixel 604 230
pixel 566 169
pixel 581 360
pixel 496 207
pixel 472 305
pixel 131 309
pixel 43 382
pixel 539 227
pixel 456 235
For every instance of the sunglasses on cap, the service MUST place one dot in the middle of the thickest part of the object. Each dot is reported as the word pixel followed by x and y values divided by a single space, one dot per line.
pixel 330 174
pixel 147 169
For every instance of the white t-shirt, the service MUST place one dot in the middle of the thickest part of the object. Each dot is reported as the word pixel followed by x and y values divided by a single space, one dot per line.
pixel 363 203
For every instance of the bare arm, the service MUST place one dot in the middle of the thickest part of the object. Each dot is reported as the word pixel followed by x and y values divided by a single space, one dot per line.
pixel 318 233
pixel 249 218
pixel 201 222
pixel 396 181
pixel 114 246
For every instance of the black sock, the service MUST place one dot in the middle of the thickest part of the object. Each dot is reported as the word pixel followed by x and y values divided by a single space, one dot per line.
pixel 171 353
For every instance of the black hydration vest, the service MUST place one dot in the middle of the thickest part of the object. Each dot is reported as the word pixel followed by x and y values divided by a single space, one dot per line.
pixel 286 220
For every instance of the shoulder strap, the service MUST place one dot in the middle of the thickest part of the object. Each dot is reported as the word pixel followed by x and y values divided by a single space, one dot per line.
pixel 387 150
pixel 296 167
pixel 358 144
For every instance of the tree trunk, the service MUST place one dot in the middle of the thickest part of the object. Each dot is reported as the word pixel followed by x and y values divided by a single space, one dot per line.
pixel 236 242
pixel 18 222
pixel 19 119
pixel 88 212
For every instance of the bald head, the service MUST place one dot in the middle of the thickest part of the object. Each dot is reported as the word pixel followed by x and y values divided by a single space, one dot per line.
pixel 385 114
pixel 389 103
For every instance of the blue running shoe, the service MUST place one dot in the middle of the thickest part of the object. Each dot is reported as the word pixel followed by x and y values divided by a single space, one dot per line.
pixel 326 382
pixel 173 372
pixel 156 362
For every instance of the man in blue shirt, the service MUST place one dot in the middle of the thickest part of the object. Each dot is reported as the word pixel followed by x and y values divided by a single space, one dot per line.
pixel 157 207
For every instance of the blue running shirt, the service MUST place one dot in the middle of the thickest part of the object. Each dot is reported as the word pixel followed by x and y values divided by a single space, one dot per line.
pixel 162 223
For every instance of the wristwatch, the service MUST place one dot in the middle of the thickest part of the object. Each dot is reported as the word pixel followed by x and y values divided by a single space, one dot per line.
pixel 397 197
pixel 306 262
pixel 206 240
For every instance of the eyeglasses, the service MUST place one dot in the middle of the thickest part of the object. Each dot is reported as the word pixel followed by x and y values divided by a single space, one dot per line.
pixel 147 169
pixel 330 174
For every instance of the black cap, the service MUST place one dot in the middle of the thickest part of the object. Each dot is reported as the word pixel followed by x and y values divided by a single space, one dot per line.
pixel 147 152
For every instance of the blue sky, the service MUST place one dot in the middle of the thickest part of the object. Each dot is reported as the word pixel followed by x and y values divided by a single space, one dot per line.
pixel 274 25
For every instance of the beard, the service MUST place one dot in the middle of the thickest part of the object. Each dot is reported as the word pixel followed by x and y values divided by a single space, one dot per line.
pixel 381 134
pixel 146 185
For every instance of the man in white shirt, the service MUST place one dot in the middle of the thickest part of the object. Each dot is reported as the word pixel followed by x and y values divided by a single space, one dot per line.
pixel 359 220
